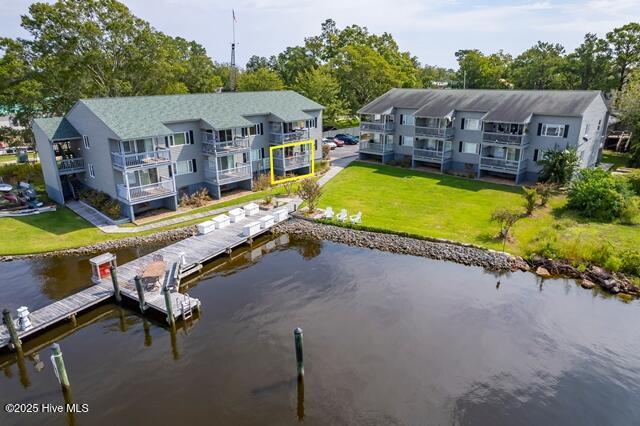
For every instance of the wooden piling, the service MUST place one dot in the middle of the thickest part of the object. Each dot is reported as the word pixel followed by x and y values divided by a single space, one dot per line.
pixel 116 286
pixel 60 369
pixel 140 290
pixel 167 301
pixel 11 327
pixel 297 333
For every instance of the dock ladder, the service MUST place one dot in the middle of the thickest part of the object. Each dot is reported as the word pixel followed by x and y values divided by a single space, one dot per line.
pixel 187 309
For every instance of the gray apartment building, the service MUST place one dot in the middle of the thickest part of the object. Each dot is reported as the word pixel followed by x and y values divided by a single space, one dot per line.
pixel 502 133
pixel 146 151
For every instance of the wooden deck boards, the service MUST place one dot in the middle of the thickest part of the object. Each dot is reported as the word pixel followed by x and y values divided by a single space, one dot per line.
pixel 197 249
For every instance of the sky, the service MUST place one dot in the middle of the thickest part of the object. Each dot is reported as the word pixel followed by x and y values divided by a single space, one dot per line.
pixel 431 30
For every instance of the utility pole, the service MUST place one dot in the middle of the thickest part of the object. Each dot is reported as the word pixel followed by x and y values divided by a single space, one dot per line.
pixel 232 74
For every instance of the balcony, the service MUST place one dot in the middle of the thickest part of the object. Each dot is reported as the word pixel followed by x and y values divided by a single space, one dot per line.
pixel 70 166
pixel 379 148
pixel 211 147
pixel 445 133
pixel 295 136
pixel 225 176
pixel 292 162
pixel 499 165
pixel 503 139
pixel 135 194
pixel 377 127
pixel 431 155
pixel 141 159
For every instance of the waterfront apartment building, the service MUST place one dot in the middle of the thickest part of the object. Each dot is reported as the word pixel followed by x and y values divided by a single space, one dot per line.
pixel 501 133
pixel 146 151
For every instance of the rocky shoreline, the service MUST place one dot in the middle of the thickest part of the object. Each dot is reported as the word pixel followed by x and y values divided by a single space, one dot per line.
pixel 134 241
pixel 465 254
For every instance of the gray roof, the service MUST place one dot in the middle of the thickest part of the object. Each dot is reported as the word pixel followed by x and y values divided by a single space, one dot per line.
pixel 140 116
pixel 57 128
pixel 513 106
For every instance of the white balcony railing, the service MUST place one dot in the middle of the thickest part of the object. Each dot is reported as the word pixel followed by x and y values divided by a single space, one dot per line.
pixel 295 161
pixel 374 147
pixel 70 165
pixel 141 159
pixel 377 127
pixel 499 164
pixel 435 132
pixel 224 176
pixel 163 188
pixel 295 136
pixel 502 138
pixel 211 147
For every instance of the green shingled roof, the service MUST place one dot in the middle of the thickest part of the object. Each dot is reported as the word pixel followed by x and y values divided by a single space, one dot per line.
pixel 57 128
pixel 139 116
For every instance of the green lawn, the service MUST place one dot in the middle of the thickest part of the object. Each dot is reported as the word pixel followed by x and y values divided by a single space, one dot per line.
pixel 618 159
pixel 11 158
pixel 458 209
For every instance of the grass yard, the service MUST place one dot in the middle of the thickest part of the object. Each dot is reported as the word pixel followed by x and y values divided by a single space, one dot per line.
pixel 458 209
pixel 618 159
pixel 11 158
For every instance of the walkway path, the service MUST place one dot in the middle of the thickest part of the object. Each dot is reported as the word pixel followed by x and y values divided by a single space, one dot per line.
pixel 107 226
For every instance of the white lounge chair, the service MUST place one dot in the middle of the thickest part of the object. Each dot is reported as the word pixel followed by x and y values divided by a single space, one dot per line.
pixel 356 218
pixel 328 213
pixel 342 216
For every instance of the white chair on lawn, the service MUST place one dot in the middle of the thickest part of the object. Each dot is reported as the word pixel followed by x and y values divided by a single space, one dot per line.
pixel 342 216
pixel 328 213
pixel 356 218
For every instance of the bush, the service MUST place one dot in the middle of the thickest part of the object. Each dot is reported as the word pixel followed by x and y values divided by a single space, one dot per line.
pixel 325 151
pixel 530 196
pixel 262 182
pixel 506 219
pixel 634 181
pixel 310 192
pixel 630 262
pixel 27 172
pixel 558 166
pixel 599 195
pixel 544 190
pixel 197 199
pixel 101 201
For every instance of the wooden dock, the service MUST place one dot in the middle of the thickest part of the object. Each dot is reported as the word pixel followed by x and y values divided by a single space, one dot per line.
pixel 195 251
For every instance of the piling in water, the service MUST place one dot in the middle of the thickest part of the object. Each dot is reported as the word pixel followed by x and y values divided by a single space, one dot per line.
pixel 140 290
pixel 167 301
pixel 116 286
pixel 11 327
pixel 297 333
pixel 58 365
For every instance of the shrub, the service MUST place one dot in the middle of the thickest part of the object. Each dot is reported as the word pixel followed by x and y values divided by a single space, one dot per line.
pixel 634 181
pixel 262 182
pixel 101 201
pixel 630 262
pixel 599 195
pixel 558 166
pixel 310 192
pixel 530 196
pixel 288 186
pixel 197 199
pixel 268 197
pixel 325 151
pixel 506 219
pixel 27 172
pixel 544 190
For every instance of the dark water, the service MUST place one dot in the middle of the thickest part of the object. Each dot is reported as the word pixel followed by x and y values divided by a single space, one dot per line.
pixel 389 339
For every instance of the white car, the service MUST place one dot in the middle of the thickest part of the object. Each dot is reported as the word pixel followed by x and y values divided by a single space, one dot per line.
pixel 331 144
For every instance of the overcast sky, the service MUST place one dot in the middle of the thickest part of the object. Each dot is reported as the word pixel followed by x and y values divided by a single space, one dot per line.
pixel 431 30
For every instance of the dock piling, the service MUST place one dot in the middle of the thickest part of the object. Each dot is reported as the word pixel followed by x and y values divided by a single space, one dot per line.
pixel 167 301
pixel 11 327
pixel 140 290
pixel 297 333
pixel 116 286
pixel 59 367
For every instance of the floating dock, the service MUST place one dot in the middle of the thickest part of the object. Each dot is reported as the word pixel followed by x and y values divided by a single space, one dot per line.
pixel 193 252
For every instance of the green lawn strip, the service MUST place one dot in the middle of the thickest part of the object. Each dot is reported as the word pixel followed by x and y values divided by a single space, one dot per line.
pixel 618 159
pixel 11 158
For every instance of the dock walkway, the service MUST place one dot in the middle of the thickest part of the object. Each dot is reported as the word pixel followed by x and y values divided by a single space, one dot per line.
pixel 196 250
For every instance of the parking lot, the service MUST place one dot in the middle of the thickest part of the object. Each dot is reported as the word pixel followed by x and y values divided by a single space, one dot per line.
pixel 344 151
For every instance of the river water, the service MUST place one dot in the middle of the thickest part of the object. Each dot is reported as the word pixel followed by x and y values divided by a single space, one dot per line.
pixel 388 339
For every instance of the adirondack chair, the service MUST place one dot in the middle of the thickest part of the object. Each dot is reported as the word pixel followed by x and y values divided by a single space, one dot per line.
pixel 342 216
pixel 356 218
pixel 328 213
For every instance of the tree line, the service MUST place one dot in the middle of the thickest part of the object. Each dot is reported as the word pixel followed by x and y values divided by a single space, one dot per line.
pixel 93 48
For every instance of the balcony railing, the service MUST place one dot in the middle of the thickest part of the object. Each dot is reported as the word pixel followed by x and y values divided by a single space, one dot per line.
pixel 70 165
pixel 165 187
pixel 211 147
pixel 435 132
pixel 295 136
pixel 377 127
pixel 375 147
pixel 141 159
pixel 502 138
pixel 224 176
pixel 431 154
pixel 499 164
pixel 295 161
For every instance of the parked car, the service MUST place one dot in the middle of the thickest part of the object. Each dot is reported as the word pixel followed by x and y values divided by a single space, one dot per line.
pixel 346 139
pixel 330 143
pixel 338 142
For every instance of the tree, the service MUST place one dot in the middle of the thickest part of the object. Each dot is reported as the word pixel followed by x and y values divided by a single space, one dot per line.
pixel 257 62
pixel 598 194
pixel 530 196
pixel 320 85
pixel 478 71
pixel 506 219
pixel 432 75
pixel 590 65
pixel 310 192
pixel 262 79
pixel 292 63
pixel 559 166
pixel 540 67
pixel 625 45
pixel 627 102
pixel 544 190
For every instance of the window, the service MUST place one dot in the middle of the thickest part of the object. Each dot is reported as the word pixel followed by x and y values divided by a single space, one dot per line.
pixel 599 124
pixel 225 135
pixel 260 129
pixel 553 130
pixel 405 140
pixel 408 120
pixel 256 155
pixel 253 130
pixel 469 148
pixel 312 124
pixel 92 172
pixel 177 139
pixel 85 141
pixel 470 124
pixel 184 167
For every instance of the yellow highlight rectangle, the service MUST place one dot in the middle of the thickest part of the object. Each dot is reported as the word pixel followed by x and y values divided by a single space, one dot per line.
pixel 292 144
